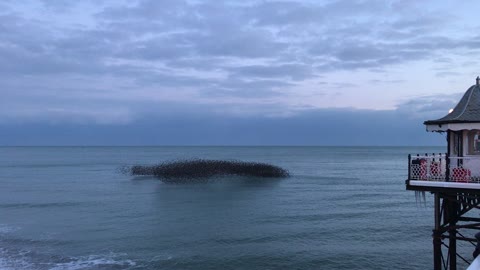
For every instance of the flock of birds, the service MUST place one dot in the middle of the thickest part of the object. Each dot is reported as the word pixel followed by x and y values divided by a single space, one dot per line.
pixel 203 168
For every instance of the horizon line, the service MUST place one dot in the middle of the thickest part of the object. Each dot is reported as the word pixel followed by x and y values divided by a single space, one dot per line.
pixel 213 145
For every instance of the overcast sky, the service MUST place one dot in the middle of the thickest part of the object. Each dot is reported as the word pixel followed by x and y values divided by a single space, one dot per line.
pixel 232 72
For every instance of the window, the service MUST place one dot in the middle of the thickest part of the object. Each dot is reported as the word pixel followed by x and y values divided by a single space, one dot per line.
pixel 457 142
pixel 474 142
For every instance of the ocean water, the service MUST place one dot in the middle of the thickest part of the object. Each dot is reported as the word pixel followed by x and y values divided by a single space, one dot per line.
pixel 342 208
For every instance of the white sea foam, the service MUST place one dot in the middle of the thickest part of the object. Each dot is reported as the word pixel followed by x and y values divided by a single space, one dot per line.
pixel 4 228
pixel 7 262
pixel 10 263
pixel 92 261
pixel 161 258
pixel 21 260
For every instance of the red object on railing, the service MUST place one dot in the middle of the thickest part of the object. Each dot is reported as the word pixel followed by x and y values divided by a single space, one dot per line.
pixel 435 169
pixel 461 175
pixel 423 169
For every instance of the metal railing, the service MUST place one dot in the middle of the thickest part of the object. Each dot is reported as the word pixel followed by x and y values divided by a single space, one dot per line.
pixel 427 167
pixel 433 167
pixel 464 169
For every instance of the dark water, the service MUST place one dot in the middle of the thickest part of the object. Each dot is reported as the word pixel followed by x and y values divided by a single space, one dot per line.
pixel 343 208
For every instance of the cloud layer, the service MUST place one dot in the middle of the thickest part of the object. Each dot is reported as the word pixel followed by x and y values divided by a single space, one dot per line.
pixel 335 127
pixel 120 62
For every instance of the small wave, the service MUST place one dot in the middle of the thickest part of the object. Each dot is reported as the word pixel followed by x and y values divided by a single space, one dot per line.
pixel 15 258
pixel 95 261
pixel 324 178
pixel 9 262
pixel 160 258
pixel 39 166
pixel 38 205
pixel 7 229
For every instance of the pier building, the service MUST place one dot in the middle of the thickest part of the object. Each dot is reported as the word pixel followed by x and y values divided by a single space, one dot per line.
pixel 453 178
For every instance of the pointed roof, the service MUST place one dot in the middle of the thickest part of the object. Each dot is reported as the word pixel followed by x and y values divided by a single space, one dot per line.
pixel 466 111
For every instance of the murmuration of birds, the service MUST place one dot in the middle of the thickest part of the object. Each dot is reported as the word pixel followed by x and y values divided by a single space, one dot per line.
pixel 204 169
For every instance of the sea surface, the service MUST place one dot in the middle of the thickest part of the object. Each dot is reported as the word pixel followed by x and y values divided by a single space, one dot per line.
pixel 342 208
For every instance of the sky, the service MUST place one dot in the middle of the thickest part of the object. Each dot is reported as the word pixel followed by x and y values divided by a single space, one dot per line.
pixel 250 72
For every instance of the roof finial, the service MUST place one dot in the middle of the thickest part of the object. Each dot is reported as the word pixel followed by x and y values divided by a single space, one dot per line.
pixel 478 80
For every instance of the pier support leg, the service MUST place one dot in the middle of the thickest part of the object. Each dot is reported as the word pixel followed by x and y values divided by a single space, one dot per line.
pixel 437 240
pixel 451 219
pixel 437 250
pixel 452 249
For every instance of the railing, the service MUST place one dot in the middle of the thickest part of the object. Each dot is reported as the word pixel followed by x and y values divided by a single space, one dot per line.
pixel 433 167
pixel 427 167
pixel 465 169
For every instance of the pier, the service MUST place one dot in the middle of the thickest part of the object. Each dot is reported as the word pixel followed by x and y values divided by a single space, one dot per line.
pixel 454 180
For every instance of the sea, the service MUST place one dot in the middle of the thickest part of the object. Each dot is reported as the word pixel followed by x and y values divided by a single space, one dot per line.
pixel 341 208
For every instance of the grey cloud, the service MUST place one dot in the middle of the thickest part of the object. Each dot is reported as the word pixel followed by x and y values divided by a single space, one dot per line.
pixel 239 83
pixel 386 81
pixel 429 107
pixel 245 95
pixel 361 53
pixel 47 106
pixel 259 90
pixel 377 54
pixel 168 47
pixel 343 85
pixel 24 62
pixel 19 32
pixel 443 60
pixel 203 30
pixel 283 13
pixel 349 7
pixel 199 63
pixel 228 50
pixel 207 29
pixel 292 71
pixel 420 23
pixel 58 5
pixel 29 47
pixel 219 129
pixel 447 73
pixel 172 80
pixel 92 114
pixel 88 45
pixel 250 44
pixel 144 10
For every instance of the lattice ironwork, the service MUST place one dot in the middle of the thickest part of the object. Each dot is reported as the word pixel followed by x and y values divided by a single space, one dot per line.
pixel 464 169
pixel 452 225
pixel 434 168
pixel 428 167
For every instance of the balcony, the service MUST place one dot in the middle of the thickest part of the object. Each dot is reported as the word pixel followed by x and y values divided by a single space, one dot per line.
pixel 441 173
pixel 429 172
pixel 442 168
